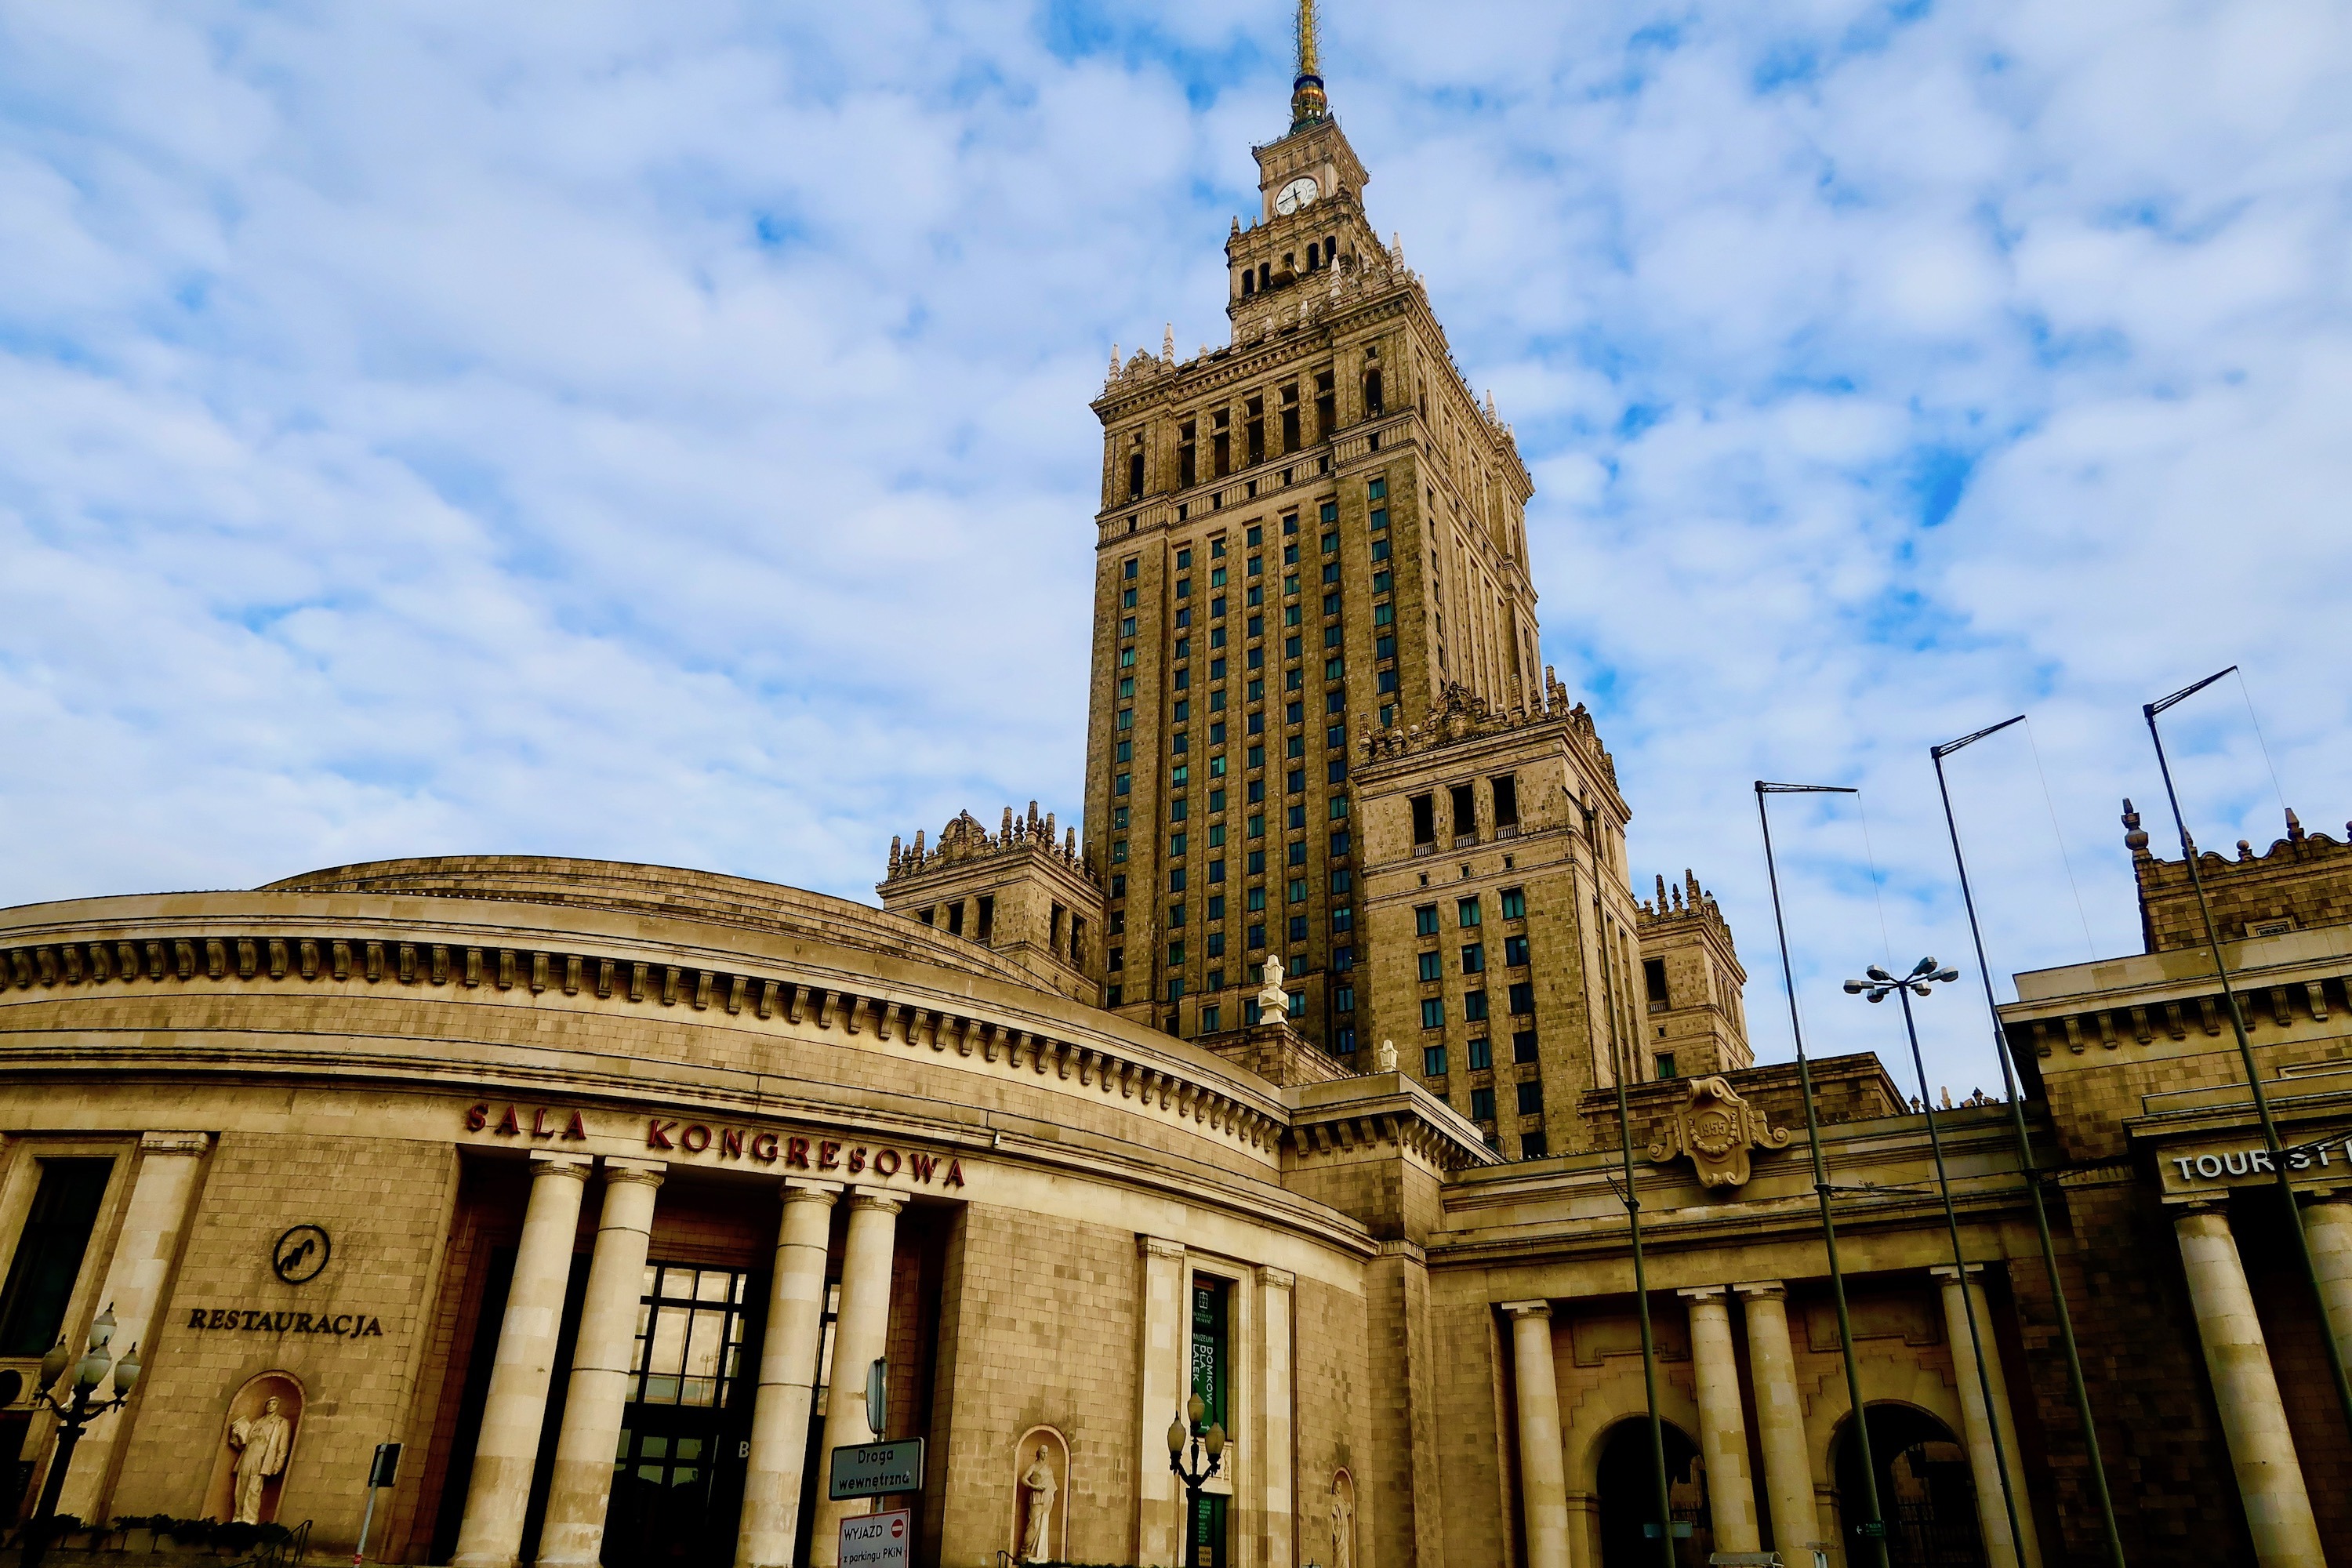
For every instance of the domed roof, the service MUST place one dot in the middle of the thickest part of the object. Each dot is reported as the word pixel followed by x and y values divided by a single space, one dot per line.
pixel 667 891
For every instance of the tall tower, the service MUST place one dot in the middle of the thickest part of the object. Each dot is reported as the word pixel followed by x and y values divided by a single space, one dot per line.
pixel 1312 531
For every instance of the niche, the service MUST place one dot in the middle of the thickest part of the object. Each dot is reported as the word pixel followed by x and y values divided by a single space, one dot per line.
pixel 1041 1497
pixel 1340 1521
pixel 248 1405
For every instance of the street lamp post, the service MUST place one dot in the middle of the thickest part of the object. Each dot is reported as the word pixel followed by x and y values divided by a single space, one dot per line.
pixel 1923 975
pixel 75 1414
pixel 1195 1455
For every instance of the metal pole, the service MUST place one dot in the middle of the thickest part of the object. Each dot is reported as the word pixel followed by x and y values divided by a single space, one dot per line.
pixel 2011 1088
pixel 72 1420
pixel 2246 1050
pixel 367 1519
pixel 1641 1301
pixel 1873 1527
pixel 1960 1262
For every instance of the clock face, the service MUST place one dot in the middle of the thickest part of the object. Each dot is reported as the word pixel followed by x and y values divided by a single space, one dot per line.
pixel 1296 194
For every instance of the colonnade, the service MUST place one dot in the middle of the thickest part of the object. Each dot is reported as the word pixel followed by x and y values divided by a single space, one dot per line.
pixel 1791 1497
pixel 2237 1361
pixel 596 1393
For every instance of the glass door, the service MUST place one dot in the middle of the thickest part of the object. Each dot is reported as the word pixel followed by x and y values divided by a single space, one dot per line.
pixel 678 1477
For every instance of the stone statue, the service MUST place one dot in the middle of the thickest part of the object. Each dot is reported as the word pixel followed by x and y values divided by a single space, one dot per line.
pixel 1384 1060
pixel 1343 1530
pixel 1039 1486
pixel 261 1443
pixel 1272 1001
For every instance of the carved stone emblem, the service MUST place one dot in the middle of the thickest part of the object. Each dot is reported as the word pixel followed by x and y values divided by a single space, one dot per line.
pixel 1717 1130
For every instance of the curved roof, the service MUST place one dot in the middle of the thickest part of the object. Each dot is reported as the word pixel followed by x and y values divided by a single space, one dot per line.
pixel 625 887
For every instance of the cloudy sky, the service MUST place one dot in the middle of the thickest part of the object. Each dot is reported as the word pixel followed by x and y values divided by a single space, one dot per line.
pixel 660 431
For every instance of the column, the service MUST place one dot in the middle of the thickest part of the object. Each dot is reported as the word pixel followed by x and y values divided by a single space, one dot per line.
pixel 2327 1222
pixel 1780 1422
pixel 507 1450
pixel 1160 1388
pixel 135 1276
pixel 1722 1428
pixel 2262 1452
pixel 1982 1426
pixel 1543 1477
pixel 860 1334
pixel 597 1395
pixel 1271 1453
pixel 788 1355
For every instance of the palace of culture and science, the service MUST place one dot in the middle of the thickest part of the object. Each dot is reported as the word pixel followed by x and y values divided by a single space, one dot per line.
pixel 1319 729
pixel 1279 1122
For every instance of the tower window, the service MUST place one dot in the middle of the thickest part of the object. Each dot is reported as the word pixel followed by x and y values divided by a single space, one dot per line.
pixel 1507 800
pixel 1134 475
pixel 1290 418
pixel 1653 977
pixel 1465 814
pixel 1249 281
pixel 1325 406
pixel 987 916
pixel 1424 822
pixel 1255 430
pixel 1372 404
pixel 1187 464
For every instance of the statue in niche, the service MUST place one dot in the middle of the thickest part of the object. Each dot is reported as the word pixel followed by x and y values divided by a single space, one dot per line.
pixel 1385 1058
pixel 1038 1488
pixel 262 1443
pixel 1343 1528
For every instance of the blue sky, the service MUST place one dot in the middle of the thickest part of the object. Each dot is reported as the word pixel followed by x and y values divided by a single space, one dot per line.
pixel 661 432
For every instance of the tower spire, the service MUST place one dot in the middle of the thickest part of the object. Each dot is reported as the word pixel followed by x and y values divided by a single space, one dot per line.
pixel 1307 104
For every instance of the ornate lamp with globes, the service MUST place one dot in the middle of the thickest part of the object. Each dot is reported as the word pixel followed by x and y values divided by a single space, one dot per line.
pixel 1193 1468
pixel 74 1414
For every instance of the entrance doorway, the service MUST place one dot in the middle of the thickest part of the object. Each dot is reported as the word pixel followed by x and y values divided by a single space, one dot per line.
pixel 1924 1491
pixel 1628 1488
pixel 678 1479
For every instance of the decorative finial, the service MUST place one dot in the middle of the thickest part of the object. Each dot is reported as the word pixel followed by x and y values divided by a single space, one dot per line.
pixel 1114 362
pixel 1168 344
pixel 1307 104
pixel 2135 839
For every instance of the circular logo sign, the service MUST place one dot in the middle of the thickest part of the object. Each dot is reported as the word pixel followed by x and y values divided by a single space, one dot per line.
pixel 300 1253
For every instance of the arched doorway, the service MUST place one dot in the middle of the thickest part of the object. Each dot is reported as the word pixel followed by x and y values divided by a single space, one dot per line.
pixel 1628 1489
pixel 1924 1491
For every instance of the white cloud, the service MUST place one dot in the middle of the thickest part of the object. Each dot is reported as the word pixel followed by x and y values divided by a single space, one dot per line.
pixel 620 430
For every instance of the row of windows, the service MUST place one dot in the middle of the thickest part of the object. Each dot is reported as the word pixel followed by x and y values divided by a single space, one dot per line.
pixel 1482 1104
pixel 1432 964
pixel 1478 1053
pixel 1462 802
pixel 1466 912
pixel 1521 995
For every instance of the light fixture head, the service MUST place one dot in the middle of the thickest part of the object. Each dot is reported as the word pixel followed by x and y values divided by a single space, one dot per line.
pixel 1949 974
pixel 1856 987
pixel 1216 1442
pixel 101 1328
pixel 1196 1408
pixel 1875 972
pixel 92 1370
pixel 126 1372
pixel 1924 966
pixel 1879 995
pixel 1175 1436
pixel 1921 989
pixel 54 1365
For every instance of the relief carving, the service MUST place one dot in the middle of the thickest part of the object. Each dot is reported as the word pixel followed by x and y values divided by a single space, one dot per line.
pixel 1718 1130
